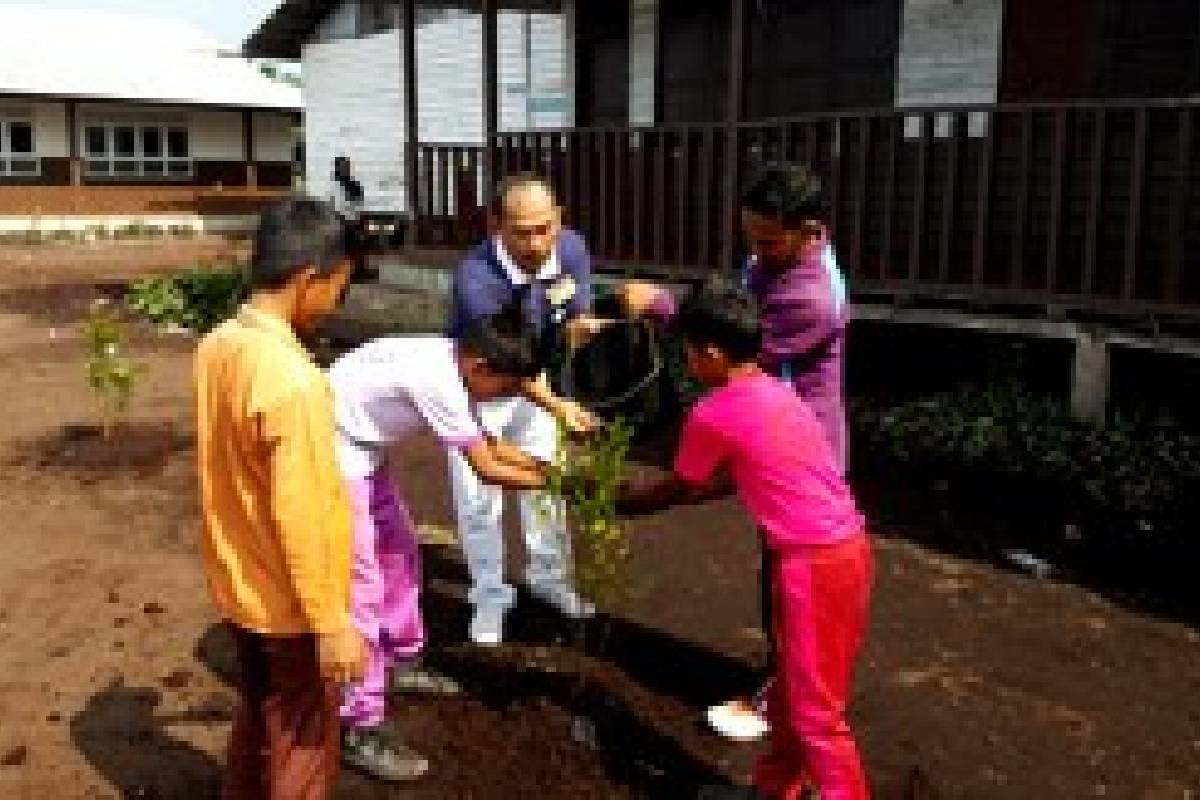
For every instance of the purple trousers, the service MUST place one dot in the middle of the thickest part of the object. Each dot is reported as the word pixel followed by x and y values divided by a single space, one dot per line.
pixel 385 585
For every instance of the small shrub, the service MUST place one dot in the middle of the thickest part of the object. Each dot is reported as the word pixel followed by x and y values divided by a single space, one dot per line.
pixel 587 478
pixel 111 376
pixel 136 230
pixel 198 300
pixel 63 236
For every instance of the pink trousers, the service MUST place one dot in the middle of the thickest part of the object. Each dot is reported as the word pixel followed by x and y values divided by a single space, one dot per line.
pixel 385 583
pixel 821 599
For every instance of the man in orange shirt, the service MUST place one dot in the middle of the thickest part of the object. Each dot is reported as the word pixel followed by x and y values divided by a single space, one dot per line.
pixel 277 527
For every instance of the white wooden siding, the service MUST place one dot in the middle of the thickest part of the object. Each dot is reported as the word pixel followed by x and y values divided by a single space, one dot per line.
pixel 354 101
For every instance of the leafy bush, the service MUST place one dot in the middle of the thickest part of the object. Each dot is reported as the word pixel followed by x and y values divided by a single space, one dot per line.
pixel 110 375
pixel 63 236
pixel 1131 473
pixel 137 230
pixel 587 478
pixel 199 299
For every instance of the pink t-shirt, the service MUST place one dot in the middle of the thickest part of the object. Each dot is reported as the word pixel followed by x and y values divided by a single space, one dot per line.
pixel 785 472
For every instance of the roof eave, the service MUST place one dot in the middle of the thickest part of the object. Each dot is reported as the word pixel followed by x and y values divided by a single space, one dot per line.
pixel 282 34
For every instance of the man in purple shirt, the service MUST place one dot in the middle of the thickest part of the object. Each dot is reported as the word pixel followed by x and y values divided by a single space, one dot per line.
pixel 793 275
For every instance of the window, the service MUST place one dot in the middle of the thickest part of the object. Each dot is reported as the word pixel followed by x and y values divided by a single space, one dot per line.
pixel 128 151
pixel 18 150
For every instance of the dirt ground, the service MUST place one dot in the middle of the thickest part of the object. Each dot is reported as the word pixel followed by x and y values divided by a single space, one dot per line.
pixel 976 682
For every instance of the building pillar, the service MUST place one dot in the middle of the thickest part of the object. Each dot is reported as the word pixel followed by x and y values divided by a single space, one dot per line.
pixel 412 132
pixel 570 62
pixel 491 98
pixel 248 149
pixel 76 162
pixel 735 102
pixel 643 63
pixel 1090 376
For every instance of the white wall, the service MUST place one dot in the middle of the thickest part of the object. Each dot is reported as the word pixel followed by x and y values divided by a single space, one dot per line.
pixel 49 125
pixel 354 106
pixel 273 137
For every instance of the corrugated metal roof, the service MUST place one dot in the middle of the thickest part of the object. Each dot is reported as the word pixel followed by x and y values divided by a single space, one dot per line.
pixel 92 54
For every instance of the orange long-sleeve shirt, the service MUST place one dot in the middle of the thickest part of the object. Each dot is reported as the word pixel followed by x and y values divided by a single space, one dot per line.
pixel 277 530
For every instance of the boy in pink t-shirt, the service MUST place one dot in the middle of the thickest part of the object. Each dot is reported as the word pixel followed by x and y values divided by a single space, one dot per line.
pixel 754 435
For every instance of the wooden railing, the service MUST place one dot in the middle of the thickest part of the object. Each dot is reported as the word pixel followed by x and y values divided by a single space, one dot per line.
pixel 1086 205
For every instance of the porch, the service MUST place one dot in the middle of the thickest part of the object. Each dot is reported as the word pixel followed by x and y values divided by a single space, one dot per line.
pixel 1051 207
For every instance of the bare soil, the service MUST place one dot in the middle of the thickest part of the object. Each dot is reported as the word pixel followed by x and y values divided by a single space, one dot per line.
pixel 976 682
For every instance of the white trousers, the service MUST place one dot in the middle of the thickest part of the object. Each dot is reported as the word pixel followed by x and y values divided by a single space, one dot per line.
pixel 480 508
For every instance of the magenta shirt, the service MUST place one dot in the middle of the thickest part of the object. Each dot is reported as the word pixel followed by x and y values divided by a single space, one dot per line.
pixel 776 450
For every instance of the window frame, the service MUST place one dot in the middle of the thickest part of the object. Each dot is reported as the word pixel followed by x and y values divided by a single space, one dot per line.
pixel 7 156
pixel 108 166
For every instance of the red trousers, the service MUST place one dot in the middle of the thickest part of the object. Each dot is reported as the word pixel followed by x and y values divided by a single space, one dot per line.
pixel 286 735
pixel 821 597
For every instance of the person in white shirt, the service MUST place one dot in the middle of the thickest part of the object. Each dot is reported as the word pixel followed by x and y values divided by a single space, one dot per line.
pixel 384 392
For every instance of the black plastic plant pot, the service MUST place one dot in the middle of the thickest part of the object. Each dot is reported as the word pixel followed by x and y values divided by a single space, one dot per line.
pixel 622 373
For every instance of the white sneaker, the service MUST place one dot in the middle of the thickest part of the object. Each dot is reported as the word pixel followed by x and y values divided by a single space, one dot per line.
pixel 487 625
pixel 738 721
pixel 563 599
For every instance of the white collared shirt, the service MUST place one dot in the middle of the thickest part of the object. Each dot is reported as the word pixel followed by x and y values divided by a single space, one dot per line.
pixel 550 270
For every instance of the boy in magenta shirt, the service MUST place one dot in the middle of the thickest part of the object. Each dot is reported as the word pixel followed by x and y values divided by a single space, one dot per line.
pixel 752 433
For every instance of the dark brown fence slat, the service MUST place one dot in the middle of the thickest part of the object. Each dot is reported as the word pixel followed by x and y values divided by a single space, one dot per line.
pixel 427 177
pixel 835 173
pixel 637 141
pixel 1095 187
pixel 659 226
pixel 889 198
pixel 1137 185
pixel 708 152
pixel 616 231
pixel 949 198
pixel 683 193
pixel 1058 169
pixel 586 186
pixel 983 200
pixel 474 157
pixel 444 159
pixel 915 250
pixel 1024 192
pixel 563 145
pixel 602 175
pixel 1173 281
pixel 865 126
